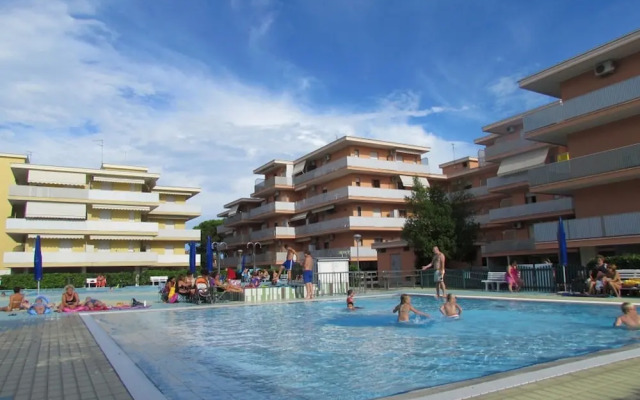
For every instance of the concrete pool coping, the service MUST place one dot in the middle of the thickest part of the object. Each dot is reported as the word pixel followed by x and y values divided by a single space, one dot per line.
pixel 141 388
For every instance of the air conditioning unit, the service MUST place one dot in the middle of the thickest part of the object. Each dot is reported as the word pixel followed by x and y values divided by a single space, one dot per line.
pixel 511 129
pixel 517 225
pixel 604 68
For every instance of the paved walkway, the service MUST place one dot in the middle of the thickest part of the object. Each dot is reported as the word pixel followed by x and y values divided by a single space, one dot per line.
pixel 54 358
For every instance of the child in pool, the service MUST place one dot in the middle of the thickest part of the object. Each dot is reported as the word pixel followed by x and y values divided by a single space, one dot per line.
pixel 350 300
pixel 405 307
pixel 450 308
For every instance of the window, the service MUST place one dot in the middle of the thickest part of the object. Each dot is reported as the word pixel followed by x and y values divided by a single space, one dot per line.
pixel 106 186
pixel 356 153
pixel 465 164
pixel 131 247
pixel 357 181
pixel 377 213
pixel 399 158
pixel 402 213
pixel 168 249
pixel 170 199
pixel 132 216
pixel 324 190
pixel 377 240
pixel 169 225
pixel 104 246
pixel 530 198
pixel 468 186
pixel 357 242
pixel 374 155
pixel 105 215
pixel 66 245
pixel 375 183
pixel 359 211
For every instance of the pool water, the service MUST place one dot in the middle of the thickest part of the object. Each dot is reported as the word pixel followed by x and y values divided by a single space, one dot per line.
pixel 319 350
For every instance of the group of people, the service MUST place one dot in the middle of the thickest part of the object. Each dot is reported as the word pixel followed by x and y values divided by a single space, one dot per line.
pixel 604 278
pixel 70 301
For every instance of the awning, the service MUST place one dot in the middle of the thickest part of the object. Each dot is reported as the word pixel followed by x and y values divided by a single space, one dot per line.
pixel 127 238
pixel 522 162
pixel 33 236
pixel 298 217
pixel 56 178
pixel 118 180
pixel 299 167
pixel 407 181
pixel 233 210
pixel 325 208
pixel 170 193
pixel 120 208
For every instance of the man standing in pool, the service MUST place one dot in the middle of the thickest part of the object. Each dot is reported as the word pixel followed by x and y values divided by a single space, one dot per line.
pixel 437 262
pixel 629 317
pixel 288 265
pixel 307 274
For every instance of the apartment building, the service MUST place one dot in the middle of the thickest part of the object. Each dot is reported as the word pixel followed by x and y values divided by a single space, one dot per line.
pixel 115 217
pixel 335 201
pixel 577 158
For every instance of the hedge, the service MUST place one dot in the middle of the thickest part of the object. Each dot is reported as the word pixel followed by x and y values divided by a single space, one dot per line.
pixel 58 279
pixel 625 261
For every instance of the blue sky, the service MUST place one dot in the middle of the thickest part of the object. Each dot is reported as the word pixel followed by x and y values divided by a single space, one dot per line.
pixel 205 91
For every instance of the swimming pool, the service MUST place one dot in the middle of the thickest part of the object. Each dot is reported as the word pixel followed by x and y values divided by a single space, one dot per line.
pixel 318 350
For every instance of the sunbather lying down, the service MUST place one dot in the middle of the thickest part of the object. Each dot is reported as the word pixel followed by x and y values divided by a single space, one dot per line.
pixel 227 286
pixel 41 306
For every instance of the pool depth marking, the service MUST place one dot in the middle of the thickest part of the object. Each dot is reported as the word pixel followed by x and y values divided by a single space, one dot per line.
pixel 136 382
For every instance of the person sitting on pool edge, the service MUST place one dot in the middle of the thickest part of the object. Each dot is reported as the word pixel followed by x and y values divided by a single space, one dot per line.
pixel 226 286
pixel 70 298
pixel 405 307
pixel 450 308
pixel 16 301
pixel 629 317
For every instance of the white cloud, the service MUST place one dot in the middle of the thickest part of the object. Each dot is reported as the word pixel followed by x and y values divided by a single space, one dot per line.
pixel 63 86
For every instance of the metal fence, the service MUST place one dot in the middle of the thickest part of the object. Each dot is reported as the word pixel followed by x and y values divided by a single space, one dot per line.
pixel 332 283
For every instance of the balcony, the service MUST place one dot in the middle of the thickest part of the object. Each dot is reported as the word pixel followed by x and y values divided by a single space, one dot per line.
pixel 24 226
pixel 24 192
pixel 521 212
pixel 594 169
pixel 347 223
pixel 278 206
pixel 236 240
pixel 397 167
pixel 273 183
pixel 508 246
pixel 178 234
pixel 173 209
pixel 352 253
pixel 270 257
pixel 352 192
pixel 236 218
pixel 554 123
pixel 606 226
pixel 506 183
pixel 178 260
pixel 82 259
pixel 273 233
pixel 482 219
pixel 507 147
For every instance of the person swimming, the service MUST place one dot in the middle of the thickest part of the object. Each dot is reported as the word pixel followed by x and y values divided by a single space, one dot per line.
pixel 629 318
pixel 351 301
pixel 450 308
pixel 405 307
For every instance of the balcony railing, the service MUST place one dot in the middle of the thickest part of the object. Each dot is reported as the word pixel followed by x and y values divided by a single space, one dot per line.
pixel 275 232
pixel 346 252
pixel 527 210
pixel 236 240
pixel 272 207
pixel 97 258
pixel 600 99
pixel 176 259
pixel 21 225
pixel 351 191
pixel 481 219
pixel 270 257
pixel 272 182
pixel 506 246
pixel 590 165
pixel 349 223
pixel 178 234
pixel 237 217
pixel 176 209
pixel 498 182
pixel 357 162
pixel 507 146
pixel 83 195
pixel 627 224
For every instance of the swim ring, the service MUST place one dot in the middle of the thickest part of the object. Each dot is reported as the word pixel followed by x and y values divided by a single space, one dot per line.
pixel 45 300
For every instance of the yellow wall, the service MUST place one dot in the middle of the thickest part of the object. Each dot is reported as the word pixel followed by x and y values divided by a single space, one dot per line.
pixel 177 224
pixel 6 180
pixel 176 199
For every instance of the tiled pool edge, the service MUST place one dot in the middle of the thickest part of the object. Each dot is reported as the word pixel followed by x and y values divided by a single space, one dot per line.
pixel 135 381
pixel 496 383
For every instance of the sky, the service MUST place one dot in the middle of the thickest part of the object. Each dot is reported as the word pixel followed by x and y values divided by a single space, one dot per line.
pixel 203 92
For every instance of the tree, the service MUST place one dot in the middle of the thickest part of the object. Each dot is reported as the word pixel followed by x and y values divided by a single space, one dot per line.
pixel 440 219
pixel 208 228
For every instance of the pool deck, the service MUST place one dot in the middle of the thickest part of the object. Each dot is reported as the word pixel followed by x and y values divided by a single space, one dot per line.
pixel 57 357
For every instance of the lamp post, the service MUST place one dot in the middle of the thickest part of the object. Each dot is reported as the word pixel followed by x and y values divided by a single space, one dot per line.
pixel 217 246
pixel 357 237
pixel 254 244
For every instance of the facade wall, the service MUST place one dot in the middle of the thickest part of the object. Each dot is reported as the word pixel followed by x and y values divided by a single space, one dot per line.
pixel 7 243
pixel 407 260
pixel 606 137
pixel 614 198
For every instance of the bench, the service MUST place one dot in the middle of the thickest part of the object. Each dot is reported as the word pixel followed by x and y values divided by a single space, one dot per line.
pixel 629 274
pixel 494 278
pixel 91 281
pixel 158 280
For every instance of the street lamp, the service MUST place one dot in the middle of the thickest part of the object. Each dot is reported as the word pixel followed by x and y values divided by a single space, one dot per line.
pixel 254 244
pixel 357 237
pixel 217 246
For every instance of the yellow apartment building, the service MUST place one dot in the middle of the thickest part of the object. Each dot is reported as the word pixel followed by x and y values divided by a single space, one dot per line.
pixel 91 220
pixel 335 201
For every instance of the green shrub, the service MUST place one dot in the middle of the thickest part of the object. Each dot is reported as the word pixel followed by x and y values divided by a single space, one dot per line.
pixel 625 261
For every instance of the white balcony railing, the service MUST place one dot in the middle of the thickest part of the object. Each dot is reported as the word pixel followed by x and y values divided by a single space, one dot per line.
pixel 96 258
pixel 176 209
pixel 83 195
pixel 178 234
pixel 21 225
pixel 596 100
pixel 350 191
pixel 606 226
pixel 347 252
pixel 350 223
pixel 528 210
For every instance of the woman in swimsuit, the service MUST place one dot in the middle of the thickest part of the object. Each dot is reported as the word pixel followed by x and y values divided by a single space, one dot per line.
pixel 70 298
pixel 405 307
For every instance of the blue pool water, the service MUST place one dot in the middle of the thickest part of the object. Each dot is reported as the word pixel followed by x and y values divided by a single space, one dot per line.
pixel 319 350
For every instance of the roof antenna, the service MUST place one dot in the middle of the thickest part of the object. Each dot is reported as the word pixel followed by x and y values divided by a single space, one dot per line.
pixel 101 144
pixel 453 150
